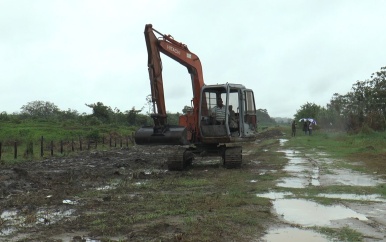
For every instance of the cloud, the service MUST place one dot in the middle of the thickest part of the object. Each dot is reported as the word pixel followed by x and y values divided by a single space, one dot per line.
pixel 76 52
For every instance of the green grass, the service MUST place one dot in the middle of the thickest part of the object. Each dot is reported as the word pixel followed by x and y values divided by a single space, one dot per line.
pixel 341 234
pixel 32 131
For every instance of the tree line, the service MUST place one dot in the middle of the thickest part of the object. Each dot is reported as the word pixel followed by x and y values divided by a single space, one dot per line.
pixel 361 109
pixel 101 114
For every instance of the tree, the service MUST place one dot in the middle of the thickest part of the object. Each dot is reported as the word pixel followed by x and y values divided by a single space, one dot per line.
pixel 263 116
pixel 132 116
pixel 101 111
pixel 186 109
pixel 308 110
pixel 39 109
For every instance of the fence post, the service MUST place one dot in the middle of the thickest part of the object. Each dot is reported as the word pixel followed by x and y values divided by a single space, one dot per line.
pixel 52 148
pixel 120 142
pixel 30 149
pixel 41 147
pixel 61 147
pixel 110 141
pixel 15 149
pixel 72 145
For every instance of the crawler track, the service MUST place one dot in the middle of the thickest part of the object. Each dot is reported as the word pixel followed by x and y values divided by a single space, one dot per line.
pixel 232 157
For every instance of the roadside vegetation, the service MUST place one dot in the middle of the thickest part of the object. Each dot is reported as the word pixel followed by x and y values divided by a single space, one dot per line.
pixel 358 111
pixel 367 147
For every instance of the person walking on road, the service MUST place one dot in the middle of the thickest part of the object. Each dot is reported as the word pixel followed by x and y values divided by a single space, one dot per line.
pixel 305 127
pixel 293 128
pixel 310 126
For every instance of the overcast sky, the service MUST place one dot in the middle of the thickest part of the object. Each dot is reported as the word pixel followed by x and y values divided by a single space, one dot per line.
pixel 73 52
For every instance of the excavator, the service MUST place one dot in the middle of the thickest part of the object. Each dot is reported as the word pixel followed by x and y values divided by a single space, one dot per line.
pixel 199 132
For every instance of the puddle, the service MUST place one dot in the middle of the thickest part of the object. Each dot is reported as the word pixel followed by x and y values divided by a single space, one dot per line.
pixel 7 231
pixel 293 234
pixel 371 197
pixel 275 195
pixel 14 219
pixel 293 182
pixel 106 188
pixel 303 172
pixel 308 213
pixel 350 178
pixel 282 141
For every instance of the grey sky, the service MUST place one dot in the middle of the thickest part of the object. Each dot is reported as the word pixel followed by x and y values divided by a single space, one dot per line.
pixel 73 52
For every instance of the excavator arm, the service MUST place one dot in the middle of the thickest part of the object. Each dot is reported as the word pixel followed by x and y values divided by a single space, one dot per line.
pixel 179 52
pixel 162 132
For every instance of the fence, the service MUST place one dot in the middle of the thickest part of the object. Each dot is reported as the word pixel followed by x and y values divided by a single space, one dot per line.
pixel 13 148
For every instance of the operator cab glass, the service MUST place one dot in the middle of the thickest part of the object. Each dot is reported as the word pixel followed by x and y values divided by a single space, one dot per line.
pixel 227 112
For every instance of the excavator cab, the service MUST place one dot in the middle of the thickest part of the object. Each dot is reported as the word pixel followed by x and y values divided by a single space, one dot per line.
pixel 239 121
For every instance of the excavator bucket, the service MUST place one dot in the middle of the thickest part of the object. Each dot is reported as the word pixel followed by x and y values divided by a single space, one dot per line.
pixel 169 135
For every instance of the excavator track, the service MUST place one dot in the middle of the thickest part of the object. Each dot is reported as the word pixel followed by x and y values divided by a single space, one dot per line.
pixel 232 157
pixel 180 159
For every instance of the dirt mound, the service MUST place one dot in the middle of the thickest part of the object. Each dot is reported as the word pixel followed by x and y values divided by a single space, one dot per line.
pixel 270 133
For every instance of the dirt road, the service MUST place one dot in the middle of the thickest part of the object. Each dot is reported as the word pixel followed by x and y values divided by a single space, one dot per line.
pixel 128 195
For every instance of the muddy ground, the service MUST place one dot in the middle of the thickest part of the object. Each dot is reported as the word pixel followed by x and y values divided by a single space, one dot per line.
pixel 53 199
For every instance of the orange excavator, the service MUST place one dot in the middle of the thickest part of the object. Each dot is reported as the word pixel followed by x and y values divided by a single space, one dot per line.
pixel 221 116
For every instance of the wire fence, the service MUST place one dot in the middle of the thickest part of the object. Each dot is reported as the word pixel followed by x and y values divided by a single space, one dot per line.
pixel 42 148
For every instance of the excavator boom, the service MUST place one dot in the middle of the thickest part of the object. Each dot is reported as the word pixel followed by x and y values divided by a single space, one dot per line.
pixel 162 132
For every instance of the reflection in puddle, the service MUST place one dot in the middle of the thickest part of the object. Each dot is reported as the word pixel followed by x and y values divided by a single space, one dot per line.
pixel 309 213
pixel 293 234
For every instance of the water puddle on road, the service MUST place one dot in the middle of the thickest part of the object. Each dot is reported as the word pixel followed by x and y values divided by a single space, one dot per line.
pixel 308 213
pixel 350 178
pixel 302 171
pixel 12 220
pixel 293 234
pixel 369 198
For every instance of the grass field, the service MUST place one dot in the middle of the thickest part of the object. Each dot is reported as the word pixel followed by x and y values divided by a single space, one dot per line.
pixel 64 134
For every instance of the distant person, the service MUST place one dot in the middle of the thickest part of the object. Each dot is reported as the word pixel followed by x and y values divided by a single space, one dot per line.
pixel 305 127
pixel 218 112
pixel 293 128
pixel 310 126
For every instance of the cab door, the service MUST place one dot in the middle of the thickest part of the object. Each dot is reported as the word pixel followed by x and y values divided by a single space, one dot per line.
pixel 248 112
